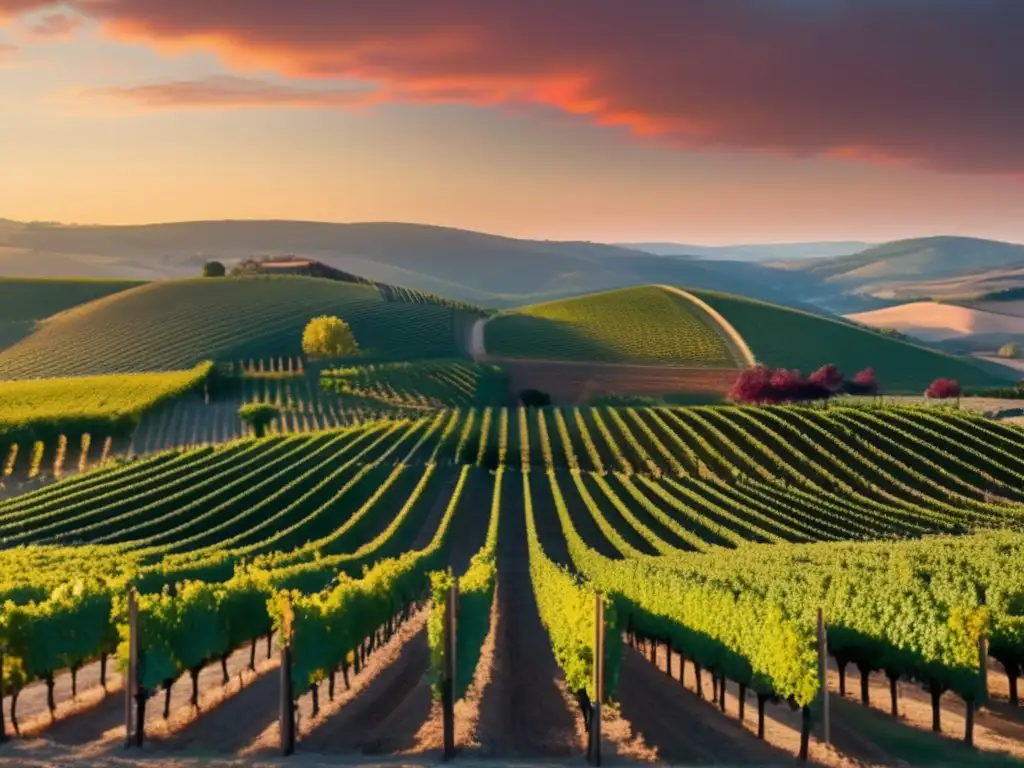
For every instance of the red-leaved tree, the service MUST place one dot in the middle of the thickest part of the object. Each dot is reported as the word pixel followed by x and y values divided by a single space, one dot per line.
pixel 828 376
pixel 763 385
pixel 864 383
pixel 943 389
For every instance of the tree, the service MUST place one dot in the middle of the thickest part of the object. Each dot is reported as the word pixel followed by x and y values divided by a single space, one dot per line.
pixel 828 376
pixel 763 385
pixel 326 336
pixel 943 389
pixel 214 269
pixel 1009 351
pixel 258 416
pixel 864 383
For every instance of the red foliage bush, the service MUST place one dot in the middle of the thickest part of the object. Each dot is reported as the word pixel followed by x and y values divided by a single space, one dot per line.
pixel 763 385
pixel 942 389
pixel 864 383
pixel 828 376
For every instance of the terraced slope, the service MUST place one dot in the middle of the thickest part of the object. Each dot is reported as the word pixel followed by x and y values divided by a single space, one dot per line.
pixel 26 301
pixel 789 338
pixel 647 324
pixel 175 325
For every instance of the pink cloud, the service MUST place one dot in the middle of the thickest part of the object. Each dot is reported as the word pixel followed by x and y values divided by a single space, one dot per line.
pixel 231 93
pixel 935 83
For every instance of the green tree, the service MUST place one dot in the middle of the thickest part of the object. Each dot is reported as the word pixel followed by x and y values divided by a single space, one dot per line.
pixel 326 336
pixel 258 416
pixel 1009 351
pixel 214 269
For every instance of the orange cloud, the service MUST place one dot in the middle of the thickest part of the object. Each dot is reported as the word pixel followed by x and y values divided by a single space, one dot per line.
pixel 929 82
pixel 228 93
pixel 58 26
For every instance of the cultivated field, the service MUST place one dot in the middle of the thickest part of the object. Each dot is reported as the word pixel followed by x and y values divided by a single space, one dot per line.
pixel 311 571
pixel 631 325
pixel 177 324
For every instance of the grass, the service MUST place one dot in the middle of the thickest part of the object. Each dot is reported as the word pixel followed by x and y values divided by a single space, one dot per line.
pixel 82 404
pixel 631 325
pixel 26 301
pixel 789 338
pixel 173 325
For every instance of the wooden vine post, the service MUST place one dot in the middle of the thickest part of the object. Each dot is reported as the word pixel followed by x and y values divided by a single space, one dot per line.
pixel 3 727
pixel 132 728
pixel 287 710
pixel 594 751
pixel 448 681
pixel 823 676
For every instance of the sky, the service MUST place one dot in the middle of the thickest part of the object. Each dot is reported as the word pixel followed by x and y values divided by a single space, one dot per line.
pixel 611 120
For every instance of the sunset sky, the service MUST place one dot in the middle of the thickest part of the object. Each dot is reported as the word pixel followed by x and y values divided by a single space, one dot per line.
pixel 615 120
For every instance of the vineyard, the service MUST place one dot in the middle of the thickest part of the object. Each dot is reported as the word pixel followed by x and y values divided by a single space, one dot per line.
pixel 175 325
pixel 632 325
pixel 781 337
pixel 712 536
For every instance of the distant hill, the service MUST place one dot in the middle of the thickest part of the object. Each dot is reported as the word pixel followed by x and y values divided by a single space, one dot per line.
pixel 175 324
pixel 469 266
pixel 755 252
pixel 921 268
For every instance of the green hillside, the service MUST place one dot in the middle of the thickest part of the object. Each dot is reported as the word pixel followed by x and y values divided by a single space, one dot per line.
pixel 789 338
pixel 646 324
pixel 174 325
pixel 925 258
pixel 26 301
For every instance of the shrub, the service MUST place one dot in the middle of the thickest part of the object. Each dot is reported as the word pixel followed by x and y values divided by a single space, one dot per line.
pixel 864 383
pixel 943 389
pixel 763 385
pixel 214 269
pixel 258 416
pixel 534 398
pixel 828 376
pixel 1009 351
pixel 327 336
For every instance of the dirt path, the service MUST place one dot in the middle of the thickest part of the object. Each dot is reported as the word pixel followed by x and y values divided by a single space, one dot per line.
pixel 741 352
pixel 522 710
pixel 681 727
pixel 477 349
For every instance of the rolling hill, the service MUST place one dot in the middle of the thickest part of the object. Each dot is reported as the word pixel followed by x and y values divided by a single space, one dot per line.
pixel 469 266
pixel 787 338
pixel 934 321
pixel 921 267
pixel 173 325
pixel 645 325
pixel 756 252
pixel 25 302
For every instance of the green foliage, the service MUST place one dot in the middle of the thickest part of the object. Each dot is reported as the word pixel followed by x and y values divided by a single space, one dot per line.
pixel 1010 351
pixel 228 320
pixel 258 416
pixel 629 325
pixel 214 269
pixel 328 336
pixel 419 385
pixel 788 338
pixel 568 610
pixel 42 410
pixel 476 594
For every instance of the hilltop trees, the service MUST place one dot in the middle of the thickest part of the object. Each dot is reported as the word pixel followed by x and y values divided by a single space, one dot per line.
pixel 327 336
pixel 214 269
